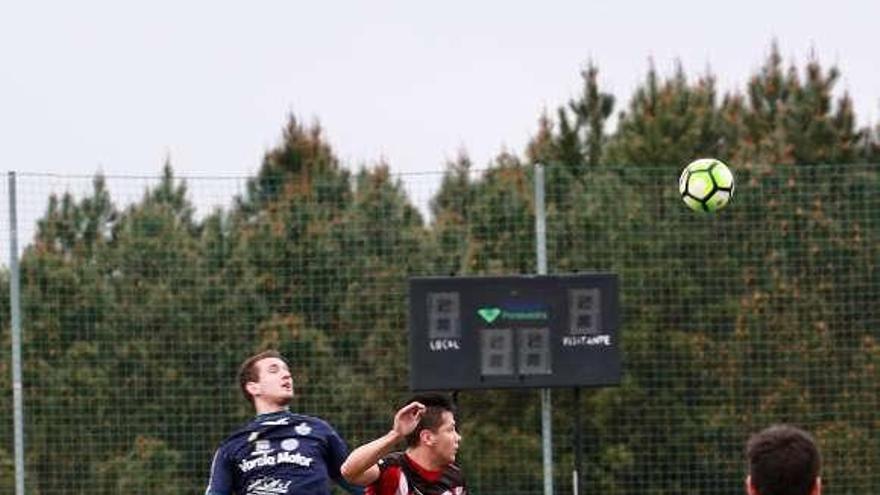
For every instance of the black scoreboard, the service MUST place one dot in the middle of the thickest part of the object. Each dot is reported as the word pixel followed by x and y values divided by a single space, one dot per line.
pixel 513 332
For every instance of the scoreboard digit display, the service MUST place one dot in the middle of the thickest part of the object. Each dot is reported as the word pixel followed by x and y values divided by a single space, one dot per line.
pixel 513 332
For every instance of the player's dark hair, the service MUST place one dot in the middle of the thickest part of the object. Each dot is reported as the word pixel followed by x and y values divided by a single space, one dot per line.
pixel 783 460
pixel 435 404
pixel 248 371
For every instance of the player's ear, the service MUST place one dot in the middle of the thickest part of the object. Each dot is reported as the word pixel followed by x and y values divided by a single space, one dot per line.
pixel 426 437
pixel 750 488
pixel 817 486
pixel 253 388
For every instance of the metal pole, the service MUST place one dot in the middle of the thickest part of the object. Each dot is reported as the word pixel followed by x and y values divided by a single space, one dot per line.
pixel 540 220
pixel 15 311
pixel 547 443
pixel 546 404
pixel 578 444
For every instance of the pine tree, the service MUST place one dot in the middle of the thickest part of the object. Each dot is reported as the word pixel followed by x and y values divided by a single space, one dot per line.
pixel 450 210
pixel 668 123
pixel 580 139
pixel 70 228
pixel 299 192
pixel 786 120
pixel 592 111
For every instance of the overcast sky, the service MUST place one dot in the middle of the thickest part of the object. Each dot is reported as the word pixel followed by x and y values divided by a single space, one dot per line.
pixel 117 86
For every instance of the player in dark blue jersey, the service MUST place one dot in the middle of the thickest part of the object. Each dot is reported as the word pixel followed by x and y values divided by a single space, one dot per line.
pixel 278 452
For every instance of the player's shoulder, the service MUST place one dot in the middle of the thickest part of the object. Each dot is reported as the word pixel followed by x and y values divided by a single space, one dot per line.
pixel 389 479
pixel 313 423
pixel 456 477
pixel 247 431
pixel 390 460
pixel 239 435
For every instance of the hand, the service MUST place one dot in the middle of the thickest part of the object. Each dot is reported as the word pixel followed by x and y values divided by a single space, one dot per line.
pixel 407 418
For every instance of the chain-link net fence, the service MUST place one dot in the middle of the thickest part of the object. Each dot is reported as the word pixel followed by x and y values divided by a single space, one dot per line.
pixel 140 297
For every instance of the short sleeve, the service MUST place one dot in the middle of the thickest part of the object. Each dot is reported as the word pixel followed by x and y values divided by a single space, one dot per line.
pixel 390 482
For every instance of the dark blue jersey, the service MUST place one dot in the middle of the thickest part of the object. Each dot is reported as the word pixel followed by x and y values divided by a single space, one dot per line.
pixel 279 453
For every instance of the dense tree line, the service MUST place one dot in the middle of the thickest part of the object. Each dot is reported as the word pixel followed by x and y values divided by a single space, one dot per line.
pixel 136 317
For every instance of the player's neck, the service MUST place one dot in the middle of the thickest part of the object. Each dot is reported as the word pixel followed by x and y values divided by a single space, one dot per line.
pixel 425 458
pixel 268 407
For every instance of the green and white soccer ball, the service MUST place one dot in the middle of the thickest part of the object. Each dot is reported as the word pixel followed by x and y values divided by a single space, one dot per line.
pixel 706 185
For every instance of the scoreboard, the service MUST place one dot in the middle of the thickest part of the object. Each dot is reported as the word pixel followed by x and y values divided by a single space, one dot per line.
pixel 513 332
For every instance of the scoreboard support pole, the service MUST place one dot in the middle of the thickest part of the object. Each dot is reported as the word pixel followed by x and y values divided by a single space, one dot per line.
pixel 578 445
pixel 546 398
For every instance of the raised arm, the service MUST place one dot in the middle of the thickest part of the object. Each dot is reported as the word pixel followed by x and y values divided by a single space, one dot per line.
pixel 360 467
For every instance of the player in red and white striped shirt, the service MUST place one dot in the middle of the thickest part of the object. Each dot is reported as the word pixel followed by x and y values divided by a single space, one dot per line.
pixel 426 467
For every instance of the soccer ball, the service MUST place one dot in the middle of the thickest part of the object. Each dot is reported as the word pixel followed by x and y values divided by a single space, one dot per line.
pixel 706 185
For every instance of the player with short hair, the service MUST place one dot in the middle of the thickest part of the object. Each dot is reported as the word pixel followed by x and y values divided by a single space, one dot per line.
pixel 783 460
pixel 426 467
pixel 278 452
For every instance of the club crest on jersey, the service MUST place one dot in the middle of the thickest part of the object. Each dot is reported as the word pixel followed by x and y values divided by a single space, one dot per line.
pixel 302 429
pixel 289 444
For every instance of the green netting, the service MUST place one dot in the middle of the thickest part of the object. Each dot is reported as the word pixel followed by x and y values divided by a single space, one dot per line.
pixel 140 296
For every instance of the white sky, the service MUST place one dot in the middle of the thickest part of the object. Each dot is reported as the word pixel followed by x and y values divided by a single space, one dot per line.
pixel 117 86
pixel 88 85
